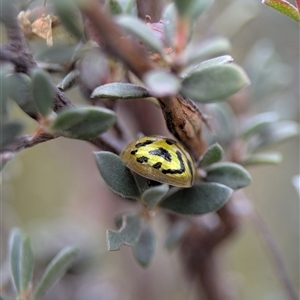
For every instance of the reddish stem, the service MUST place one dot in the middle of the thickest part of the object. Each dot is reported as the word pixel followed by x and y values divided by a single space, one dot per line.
pixel 298 5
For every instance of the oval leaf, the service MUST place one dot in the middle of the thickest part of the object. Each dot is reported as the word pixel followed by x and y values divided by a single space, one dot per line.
pixel 9 132
pixel 214 83
pixel 169 21
pixel 55 270
pixel 200 199
pixel 83 123
pixel 230 174
pixel 43 92
pixel 3 96
pixel 212 155
pixel 285 8
pixel 5 157
pixel 120 90
pixel 258 123
pixel 116 175
pixel 206 64
pixel 21 260
pixel 144 248
pixel 272 133
pixel 70 16
pixel 273 158
pixel 69 81
pixel 154 195
pixel 128 233
pixel 161 83
pixel 20 90
pixel 142 31
pixel 225 123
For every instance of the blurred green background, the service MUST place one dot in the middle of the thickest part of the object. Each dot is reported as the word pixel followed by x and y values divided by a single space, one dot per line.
pixel 55 193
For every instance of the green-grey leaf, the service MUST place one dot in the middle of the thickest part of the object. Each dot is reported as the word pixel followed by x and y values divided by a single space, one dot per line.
pixel 116 175
pixel 142 31
pixel 201 198
pixel 20 90
pixel 271 158
pixel 206 64
pixel 161 83
pixel 70 16
pixel 153 196
pixel 5 157
pixel 120 90
pixel 208 49
pixel 114 7
pixel 258 123
pixel 282 130
pixel 212 155
pixel 272 133
pixel 69 81
pixel 59 54
pixel 131 230
pixel 231 174
pixel 3 96
pixel 1 298
pixel 285 8
pixel 169 21
pixel 175 233
pixel 43 92
pixel 27 263
pixel 220 60
pixel 214 83
pixel 128 233
pixel 55 270
pixel 9 132
pixel 144 248
pixel 113 240
pixel 83 122
pixel 21 260
pixel 192 8
pixel 15 244
pixel 225 122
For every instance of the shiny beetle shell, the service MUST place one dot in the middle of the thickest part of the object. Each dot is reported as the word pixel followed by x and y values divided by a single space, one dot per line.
pixel 160 159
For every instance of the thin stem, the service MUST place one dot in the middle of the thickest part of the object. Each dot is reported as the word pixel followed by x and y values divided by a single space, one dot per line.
pixel 265 233
pixel 298 5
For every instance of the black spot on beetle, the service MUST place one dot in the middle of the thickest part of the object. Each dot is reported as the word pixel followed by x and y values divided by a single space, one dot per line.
pixel 176 171
pixel 142 159
pixel 147 142
pixel 169 142
pixel 162 153
pixel 133 152
pixel 157 165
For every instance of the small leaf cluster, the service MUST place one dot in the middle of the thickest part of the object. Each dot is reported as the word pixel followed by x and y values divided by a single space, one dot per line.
pixel 206 195
pixel 21 261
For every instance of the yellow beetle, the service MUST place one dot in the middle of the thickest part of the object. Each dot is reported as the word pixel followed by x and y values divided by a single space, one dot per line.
pixel 160 159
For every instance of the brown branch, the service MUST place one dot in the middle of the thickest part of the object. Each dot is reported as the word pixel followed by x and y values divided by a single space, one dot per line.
pixel 115 44
pixel 27 141
pixel 279 265
pixel 200 244
pixel 149 8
